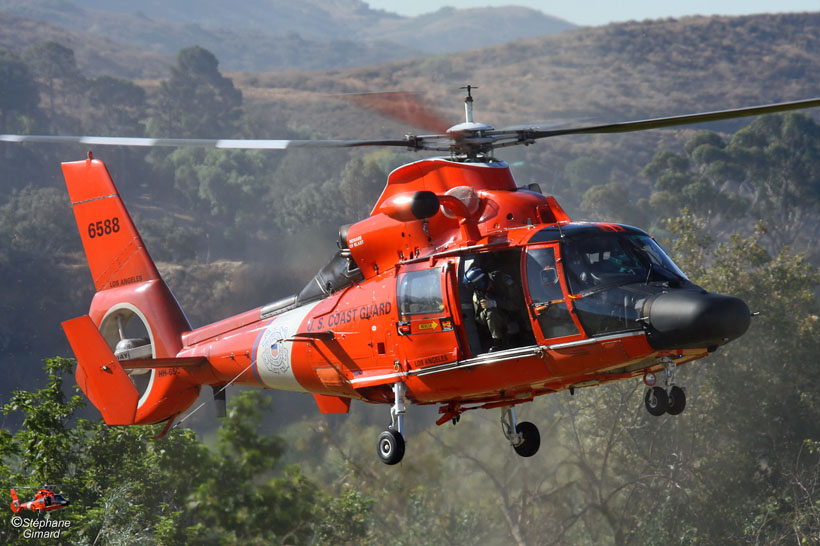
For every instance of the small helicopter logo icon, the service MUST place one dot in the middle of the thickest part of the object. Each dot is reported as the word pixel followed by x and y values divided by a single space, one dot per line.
pixel 44 501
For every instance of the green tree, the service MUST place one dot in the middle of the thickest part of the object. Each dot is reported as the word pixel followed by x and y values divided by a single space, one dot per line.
pixel 126 488
pixel 229 188
pixel 342 199
pixel 171 239
pixel 611 202
pixel 585 172
pixel 197 101
pixel 362 182
pixel 19 99
pixel 767 171
pixel 305 191
pixel 267 508
pixel 38 221
pixel 117 106
pixel 54 65
pixel 679 181
pixel 758 403
pixel 780 156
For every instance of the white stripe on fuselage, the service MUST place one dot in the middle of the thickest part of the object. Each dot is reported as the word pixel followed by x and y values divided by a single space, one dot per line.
pixel 274 363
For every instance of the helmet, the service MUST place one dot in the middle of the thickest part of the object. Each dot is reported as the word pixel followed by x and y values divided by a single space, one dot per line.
pixel 477 278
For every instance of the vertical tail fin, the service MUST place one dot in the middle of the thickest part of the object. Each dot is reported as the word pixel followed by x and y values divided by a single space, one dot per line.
pixel 129 287
pixel 116 254
pixel 15 502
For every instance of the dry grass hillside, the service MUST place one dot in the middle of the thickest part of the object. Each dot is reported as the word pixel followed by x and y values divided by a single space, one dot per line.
pixel 619 71
pixel 95 55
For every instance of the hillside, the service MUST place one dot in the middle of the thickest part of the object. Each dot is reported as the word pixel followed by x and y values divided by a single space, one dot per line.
pixel 135 46
pixel 95 55
pixel 275 35
pixel 618 72
pixel 449 30
pixel 311 18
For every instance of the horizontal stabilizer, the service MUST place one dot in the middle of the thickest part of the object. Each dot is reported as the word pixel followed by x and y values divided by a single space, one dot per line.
pixel 99 373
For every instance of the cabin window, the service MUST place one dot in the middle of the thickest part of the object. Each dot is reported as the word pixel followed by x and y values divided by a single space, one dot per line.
pixel 420 292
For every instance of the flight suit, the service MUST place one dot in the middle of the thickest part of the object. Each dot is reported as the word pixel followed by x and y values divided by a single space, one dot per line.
pixel 501 300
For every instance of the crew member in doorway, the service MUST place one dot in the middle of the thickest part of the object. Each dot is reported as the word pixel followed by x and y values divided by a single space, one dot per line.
pixel 494 299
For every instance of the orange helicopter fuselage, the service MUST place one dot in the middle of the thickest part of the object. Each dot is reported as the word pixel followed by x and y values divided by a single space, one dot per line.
pixel 392 307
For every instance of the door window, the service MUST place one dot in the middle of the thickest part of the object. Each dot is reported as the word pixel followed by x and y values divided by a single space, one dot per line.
pixel 547 298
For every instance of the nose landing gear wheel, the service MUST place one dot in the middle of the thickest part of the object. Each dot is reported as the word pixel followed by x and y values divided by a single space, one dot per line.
pixel 676 402
pixel 530 439
pixel 391 446
pixel 656 401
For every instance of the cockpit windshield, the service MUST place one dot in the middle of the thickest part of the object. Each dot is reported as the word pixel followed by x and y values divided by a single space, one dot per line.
pixel 595 262
pixel 612 273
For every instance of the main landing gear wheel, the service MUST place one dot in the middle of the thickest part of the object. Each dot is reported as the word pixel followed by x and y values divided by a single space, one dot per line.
pixel 656 401
pixel 530 439
pixel 391 441
pixel 672 399
pixel 391 446
pixel 523 437
pixel 676 401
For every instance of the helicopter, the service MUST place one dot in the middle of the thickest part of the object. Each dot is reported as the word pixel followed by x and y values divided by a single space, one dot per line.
pixel 45 500
pixel 461 290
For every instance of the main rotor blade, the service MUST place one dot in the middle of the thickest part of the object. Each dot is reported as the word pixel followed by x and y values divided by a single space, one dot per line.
pixel 239 144
pixel 656 123
pixel 402 106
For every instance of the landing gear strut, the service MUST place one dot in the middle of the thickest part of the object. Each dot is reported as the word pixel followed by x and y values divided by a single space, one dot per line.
pixel 391 441
pixel 524 436
pixel 658 400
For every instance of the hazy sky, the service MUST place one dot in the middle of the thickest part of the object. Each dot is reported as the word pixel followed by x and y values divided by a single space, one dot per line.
pixel 600 12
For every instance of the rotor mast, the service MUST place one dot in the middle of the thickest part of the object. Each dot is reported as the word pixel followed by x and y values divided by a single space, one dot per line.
pixel 468 103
